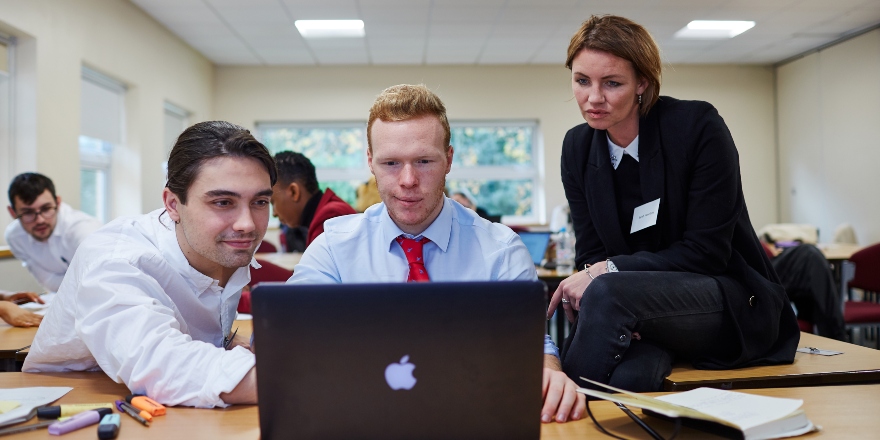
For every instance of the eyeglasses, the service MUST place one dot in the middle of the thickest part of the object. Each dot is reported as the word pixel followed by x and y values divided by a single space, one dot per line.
pixel 647 428
pixel 47 212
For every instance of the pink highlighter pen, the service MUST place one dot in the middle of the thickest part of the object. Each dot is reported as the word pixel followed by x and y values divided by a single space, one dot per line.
pixel 81 420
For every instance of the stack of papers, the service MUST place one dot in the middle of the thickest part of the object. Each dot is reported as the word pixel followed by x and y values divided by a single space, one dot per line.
pixel 21 401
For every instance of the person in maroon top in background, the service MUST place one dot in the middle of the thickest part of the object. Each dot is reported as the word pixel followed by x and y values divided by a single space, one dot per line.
pixel 300 204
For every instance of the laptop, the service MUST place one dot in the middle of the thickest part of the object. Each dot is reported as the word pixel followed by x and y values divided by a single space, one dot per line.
pixel 400 361
pixel 536 243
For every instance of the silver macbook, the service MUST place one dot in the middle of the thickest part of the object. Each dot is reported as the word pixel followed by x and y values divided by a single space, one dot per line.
pixel 400 361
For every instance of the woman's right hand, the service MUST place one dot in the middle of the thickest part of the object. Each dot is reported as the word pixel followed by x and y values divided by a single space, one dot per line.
pixel 572 289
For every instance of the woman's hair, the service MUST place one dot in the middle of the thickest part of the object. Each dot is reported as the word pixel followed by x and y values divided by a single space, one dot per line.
pixel 405 101
pixel 625 39
pixel 208 140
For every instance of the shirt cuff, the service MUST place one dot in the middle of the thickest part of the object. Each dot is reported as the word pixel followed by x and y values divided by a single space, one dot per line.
pixel 550 347
pixel 234 366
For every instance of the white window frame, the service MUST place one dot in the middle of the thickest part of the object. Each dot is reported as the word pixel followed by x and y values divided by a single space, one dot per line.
pixel 7 113
pixel 104 162
pixel 327 174
pixel 533 172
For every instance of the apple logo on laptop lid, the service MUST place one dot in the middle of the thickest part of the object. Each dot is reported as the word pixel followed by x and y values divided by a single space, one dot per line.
pixel 400 375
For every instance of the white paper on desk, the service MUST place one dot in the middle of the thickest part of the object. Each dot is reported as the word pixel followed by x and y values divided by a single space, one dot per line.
pixel 744 410
pixel 40 309
pixel 29 398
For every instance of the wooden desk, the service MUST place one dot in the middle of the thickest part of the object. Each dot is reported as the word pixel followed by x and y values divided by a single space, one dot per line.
pixel 287 260
pixel 837 251
pixel 857 364
pixel 5 252
pixel 13 339
pixel 843 412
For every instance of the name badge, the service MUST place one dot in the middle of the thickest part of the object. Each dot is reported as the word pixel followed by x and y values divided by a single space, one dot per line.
pixel 645 216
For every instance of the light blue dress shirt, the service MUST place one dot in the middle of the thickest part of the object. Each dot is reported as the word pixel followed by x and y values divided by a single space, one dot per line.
pixel 361 248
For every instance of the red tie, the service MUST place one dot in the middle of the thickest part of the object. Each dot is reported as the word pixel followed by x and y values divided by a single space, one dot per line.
pixel 413 251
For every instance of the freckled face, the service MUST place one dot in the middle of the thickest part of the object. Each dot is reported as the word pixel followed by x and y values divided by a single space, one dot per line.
pixel 606 89
pixel 410 162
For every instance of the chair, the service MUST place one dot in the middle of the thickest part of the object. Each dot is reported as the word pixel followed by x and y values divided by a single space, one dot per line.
pixel 864 270
pixel 266 247
pixel 267 272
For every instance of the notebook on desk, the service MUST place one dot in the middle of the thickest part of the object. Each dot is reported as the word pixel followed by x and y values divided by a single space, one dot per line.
pixel 402 360
pixel 536 243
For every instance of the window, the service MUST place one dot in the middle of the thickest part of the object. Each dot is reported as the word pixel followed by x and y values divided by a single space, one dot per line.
pixel 101 131
pixel 338 151
pixel 6 159
pixel 496 162
pixel 7 170
pixel 176 119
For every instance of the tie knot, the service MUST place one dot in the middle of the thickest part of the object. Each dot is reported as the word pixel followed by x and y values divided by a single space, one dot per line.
pixel 413 251
pixel 412 248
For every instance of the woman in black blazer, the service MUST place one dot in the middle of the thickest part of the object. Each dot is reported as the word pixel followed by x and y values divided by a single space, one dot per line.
pixel 670 265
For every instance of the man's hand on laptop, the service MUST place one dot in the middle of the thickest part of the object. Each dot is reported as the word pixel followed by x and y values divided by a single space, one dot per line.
pixel 562 402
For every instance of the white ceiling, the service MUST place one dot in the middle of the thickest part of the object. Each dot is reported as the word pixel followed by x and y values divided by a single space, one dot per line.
pixel 261 32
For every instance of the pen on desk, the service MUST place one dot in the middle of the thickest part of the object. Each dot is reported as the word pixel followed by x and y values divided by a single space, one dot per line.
pixel 142 402
pixel 228 341
pixel 26 428
pixel 142 417
pixel 55 412
pixel 79 421
pixel 108 429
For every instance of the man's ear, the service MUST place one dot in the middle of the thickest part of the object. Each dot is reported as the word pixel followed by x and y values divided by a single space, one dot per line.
pixel 295 191
pixel 449 154
pixel 370 161
pixel 57 200
pixel 11 212
pixel 172 203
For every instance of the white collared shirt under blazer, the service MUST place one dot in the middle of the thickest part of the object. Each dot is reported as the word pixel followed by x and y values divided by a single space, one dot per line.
pixel 132 306
pixel 48 260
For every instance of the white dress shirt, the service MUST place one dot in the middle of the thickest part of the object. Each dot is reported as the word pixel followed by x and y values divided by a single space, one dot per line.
pixel 361 248
pixel 133 307
pixel 48 260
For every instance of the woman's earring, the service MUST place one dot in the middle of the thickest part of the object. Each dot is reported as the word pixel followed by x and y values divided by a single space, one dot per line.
pixel 640 100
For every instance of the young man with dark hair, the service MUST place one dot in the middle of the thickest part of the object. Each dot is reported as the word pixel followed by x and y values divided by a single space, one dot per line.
pixel 46 232
pixel 299 203
pixel 150 299
pixel 417 234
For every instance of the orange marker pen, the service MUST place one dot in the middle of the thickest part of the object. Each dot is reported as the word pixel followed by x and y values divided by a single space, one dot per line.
pixel 144 403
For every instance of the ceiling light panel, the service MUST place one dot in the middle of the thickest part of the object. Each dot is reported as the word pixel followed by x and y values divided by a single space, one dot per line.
pixel 330 28
pixel 713 29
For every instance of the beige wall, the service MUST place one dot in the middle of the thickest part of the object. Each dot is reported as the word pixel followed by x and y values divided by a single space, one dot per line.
pixel 56 38
pixel 829 130
pixel 743 95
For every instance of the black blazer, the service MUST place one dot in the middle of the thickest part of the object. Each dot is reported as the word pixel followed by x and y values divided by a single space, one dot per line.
pixel 688 160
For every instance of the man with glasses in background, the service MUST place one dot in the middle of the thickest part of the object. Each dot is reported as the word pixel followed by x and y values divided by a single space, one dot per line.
pixel 45 233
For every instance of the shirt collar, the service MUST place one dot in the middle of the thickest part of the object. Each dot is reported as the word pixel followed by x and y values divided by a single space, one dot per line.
pixel 616 151
pixel 438 232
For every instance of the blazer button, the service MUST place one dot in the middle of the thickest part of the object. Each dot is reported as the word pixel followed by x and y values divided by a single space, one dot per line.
pixel 752 301
pixel 622 338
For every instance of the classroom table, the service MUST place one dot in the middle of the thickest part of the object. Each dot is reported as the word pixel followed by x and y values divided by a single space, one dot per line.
pixel 14 342
pixel 857 364
pixel 842 411
pixel 5 252
pixel 287 260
